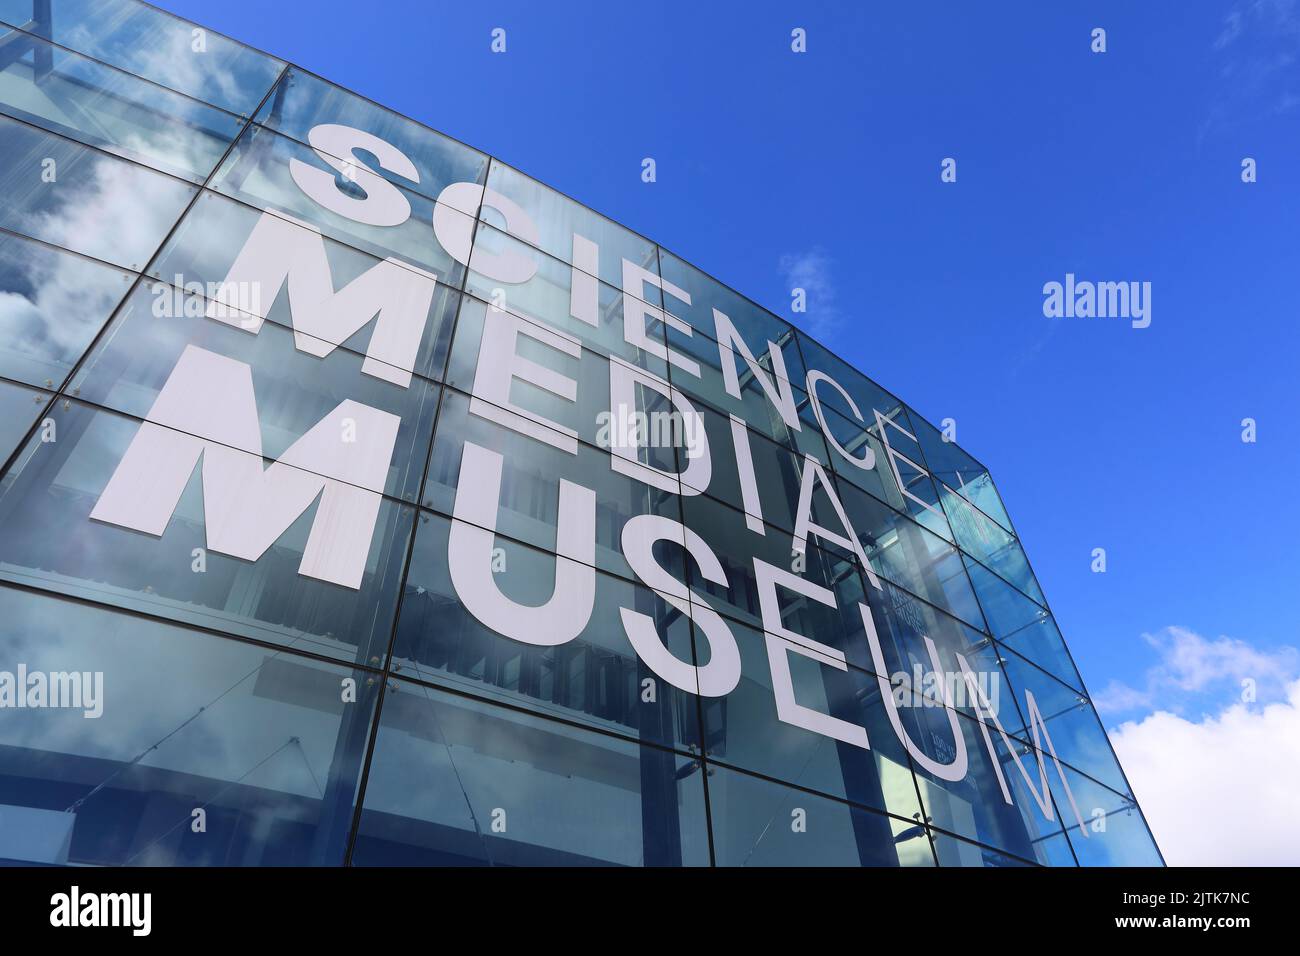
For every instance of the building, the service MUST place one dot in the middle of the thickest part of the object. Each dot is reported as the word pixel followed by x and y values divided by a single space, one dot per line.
pixel 366 501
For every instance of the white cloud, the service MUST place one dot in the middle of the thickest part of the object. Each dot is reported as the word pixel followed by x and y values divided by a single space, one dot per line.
pixel 169 58
pixel 1215 770
pixel 811 271
pixel 1275 17
pixel 1190 665
pixel 1256 50
pixel 1233 24
pixel 1220 791
pixel 1117 698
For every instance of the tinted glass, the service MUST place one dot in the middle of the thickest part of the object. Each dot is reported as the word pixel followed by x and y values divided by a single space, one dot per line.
pixel 200 255
pixel 158 728
pixel 910 555
pixel 48 540
pixel 141 354
pixel 1114 833
pixel 756 326
pixel 81 199
pixel 558 218
pixel 302 102
pixel 554 292
pixel 990 543
pixel 1021 624
pixel 595 677
pixel 52 304
pixel 528 502
pixel 380 460
pixel 101 106
pixel 1068 718
pixel 584 412
pixel 746 730
pixel 959 471
pixel 260 172
pixel 455 782
pixel 20 407
pixel 153 44
pixel 760 823
pixel 974 807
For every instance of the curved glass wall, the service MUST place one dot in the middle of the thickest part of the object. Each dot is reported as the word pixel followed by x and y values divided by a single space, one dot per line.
pixel 365 501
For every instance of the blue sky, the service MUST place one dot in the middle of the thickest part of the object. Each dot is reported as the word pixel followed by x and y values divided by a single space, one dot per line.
pixel 1117 166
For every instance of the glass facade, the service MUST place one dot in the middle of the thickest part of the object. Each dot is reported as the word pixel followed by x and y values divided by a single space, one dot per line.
pixel 367 502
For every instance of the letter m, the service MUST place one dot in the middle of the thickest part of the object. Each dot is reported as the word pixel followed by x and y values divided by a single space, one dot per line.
pixel 206 411
pixel 1112 300
pixel 280 251
pixel 984 712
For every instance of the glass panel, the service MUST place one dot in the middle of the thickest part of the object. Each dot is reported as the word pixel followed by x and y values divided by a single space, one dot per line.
pixel 807 439
pixel 292 389
pixel 1042 643
pixel 894 476
pixel 48 540
pixel 760 823
pixel 587 414
pixel 1056 850
pixel 903 623
pixel 1114 833
pixel 990 543
pixel 20 407
pixel 1019 623
pixel 757 326
pixel 856 437
pixel 596 678
pixel 909 555
pixel 1071 722
pixel 98 205
pixel 52 304
pixel 261 741
pixel 302 101
pixel 547 299
pixel 736 548
pixel 531 473
pixel 703 348
pixel 156 45
pixel 958 470
pixel 558 218
pixel 753 406
pixel 974 806
pixel 954 852
pixel 744 729
pixel 478 728
pixel 866 394
pixel 199 256
pixel 258 172
pixel 457 782
pixel 1005 608
pixel 777 473
pixel 100 106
